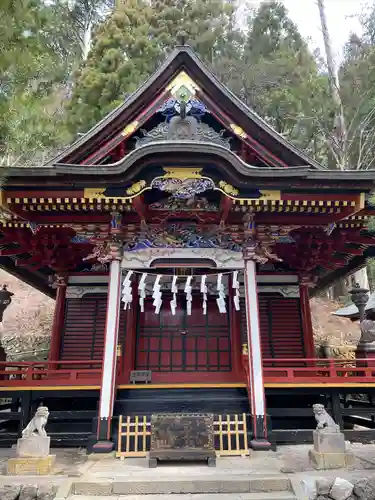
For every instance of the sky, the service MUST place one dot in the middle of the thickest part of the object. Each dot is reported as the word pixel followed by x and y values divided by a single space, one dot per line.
pixel 341 19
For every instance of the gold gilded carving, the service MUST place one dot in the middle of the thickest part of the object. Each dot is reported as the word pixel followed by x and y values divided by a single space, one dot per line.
pixel 238 130
pixel 264 197
pixel 182 173
pixel 182 80
pixel 136 188
pixel 362 201
pixel 245 350
pixel 97 193
pixel 5 214
pixel 228 188
pixel 271 195
pixel 130 128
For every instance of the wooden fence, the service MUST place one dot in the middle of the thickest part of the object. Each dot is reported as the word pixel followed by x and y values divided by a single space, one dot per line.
pixel 230 436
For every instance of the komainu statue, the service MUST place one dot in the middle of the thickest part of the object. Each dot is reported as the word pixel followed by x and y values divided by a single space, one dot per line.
pixel 36 426
pixel 324 421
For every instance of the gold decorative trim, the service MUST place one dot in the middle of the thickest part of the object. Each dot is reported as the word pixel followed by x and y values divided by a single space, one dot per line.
pixel 136 188
pixel 97 193
pixel 182 80
pixel 182 173
pixel 265 196
pixel 228 188
pixel 130 128
pixel 362 201
pixel 239 131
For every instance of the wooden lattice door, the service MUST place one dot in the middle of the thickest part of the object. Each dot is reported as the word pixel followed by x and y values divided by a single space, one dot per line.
pixel 183 344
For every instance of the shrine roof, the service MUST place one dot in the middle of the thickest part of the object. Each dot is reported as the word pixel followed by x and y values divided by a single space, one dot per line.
pixel 171 152
pixel 183 58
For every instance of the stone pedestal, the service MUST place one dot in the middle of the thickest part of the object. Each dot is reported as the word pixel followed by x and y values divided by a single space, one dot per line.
pixel 330 451
pixel 33 457
pixel 366 351
pixel 30 466
pixel 33 446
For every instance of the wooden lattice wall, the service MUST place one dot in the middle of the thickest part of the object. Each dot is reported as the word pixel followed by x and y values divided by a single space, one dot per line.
pixel 84 326
pixel 281 329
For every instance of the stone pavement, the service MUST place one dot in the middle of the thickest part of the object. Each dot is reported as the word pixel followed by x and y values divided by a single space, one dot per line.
pixel 73 466
pixel 204 496
pixel 286 460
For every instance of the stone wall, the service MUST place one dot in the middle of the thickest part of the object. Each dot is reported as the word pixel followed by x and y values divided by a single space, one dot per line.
pixel 26 347
pixel 330 488
pixel 27 492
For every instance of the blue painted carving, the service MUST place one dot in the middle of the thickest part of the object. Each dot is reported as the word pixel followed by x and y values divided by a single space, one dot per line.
pixel 193 107
pixel 79 239
pixel 183 236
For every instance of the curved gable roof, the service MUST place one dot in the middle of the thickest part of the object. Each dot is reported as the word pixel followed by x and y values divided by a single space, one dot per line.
pixel 183 58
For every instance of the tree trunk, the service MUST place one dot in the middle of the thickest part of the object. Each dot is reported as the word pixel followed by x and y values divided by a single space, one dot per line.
pixel 339 132
pixel 86 40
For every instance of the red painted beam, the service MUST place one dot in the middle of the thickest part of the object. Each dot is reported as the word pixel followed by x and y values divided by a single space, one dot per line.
pixel 320 196
pixel 30 193
pixel 296 220
pixel 115 141
pixel 140 207
pixel 225 207
pixel 263 152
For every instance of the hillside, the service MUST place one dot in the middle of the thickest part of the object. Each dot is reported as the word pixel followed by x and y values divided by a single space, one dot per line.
pixel 332 328
pixel 27 321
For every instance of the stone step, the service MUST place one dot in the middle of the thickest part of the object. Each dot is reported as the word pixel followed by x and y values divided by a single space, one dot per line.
pixel 275 495
pixel 193 485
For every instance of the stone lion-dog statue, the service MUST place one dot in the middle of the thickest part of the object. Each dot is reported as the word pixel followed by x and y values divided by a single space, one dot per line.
pixel 36 426
pixel 324 421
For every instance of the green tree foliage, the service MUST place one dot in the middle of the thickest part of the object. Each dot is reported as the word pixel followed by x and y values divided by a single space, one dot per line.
pixel 123 55
pixel 357 80
pixel 130 44
pixel 268 65
pixel 279 78
pixel 32 62
pixel 77 19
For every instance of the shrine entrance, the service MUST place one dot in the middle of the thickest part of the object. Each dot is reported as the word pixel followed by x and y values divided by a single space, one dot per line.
pixel 183 347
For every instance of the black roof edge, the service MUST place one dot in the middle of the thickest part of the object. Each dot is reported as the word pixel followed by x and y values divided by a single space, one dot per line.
pixel 115 112
pixel 8 265
pixel 193 147
pixel 355 264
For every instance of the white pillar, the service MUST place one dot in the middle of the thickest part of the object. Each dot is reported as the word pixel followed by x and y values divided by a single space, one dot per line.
pixel 256 389
pixel 108 385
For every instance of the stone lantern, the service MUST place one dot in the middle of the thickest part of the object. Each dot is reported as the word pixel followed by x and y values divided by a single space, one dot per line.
pixel 360 298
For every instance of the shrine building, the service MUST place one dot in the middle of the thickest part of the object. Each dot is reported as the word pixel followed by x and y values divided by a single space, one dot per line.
pixel 182 237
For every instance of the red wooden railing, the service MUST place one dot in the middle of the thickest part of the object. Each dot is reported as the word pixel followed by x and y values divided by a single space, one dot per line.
pixel 317 370
pixel 49 373
pixel 275 371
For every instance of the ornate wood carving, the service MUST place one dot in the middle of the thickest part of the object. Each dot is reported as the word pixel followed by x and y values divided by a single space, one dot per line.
pixel 144 258
pixel 184 129
pixel 77 292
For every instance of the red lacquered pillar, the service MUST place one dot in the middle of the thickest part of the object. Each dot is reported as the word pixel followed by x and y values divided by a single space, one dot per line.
pixel 58 319
pixel 307 327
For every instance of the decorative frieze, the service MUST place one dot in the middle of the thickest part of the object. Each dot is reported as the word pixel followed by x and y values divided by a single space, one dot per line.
pixel 220 258
pixel 77 292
